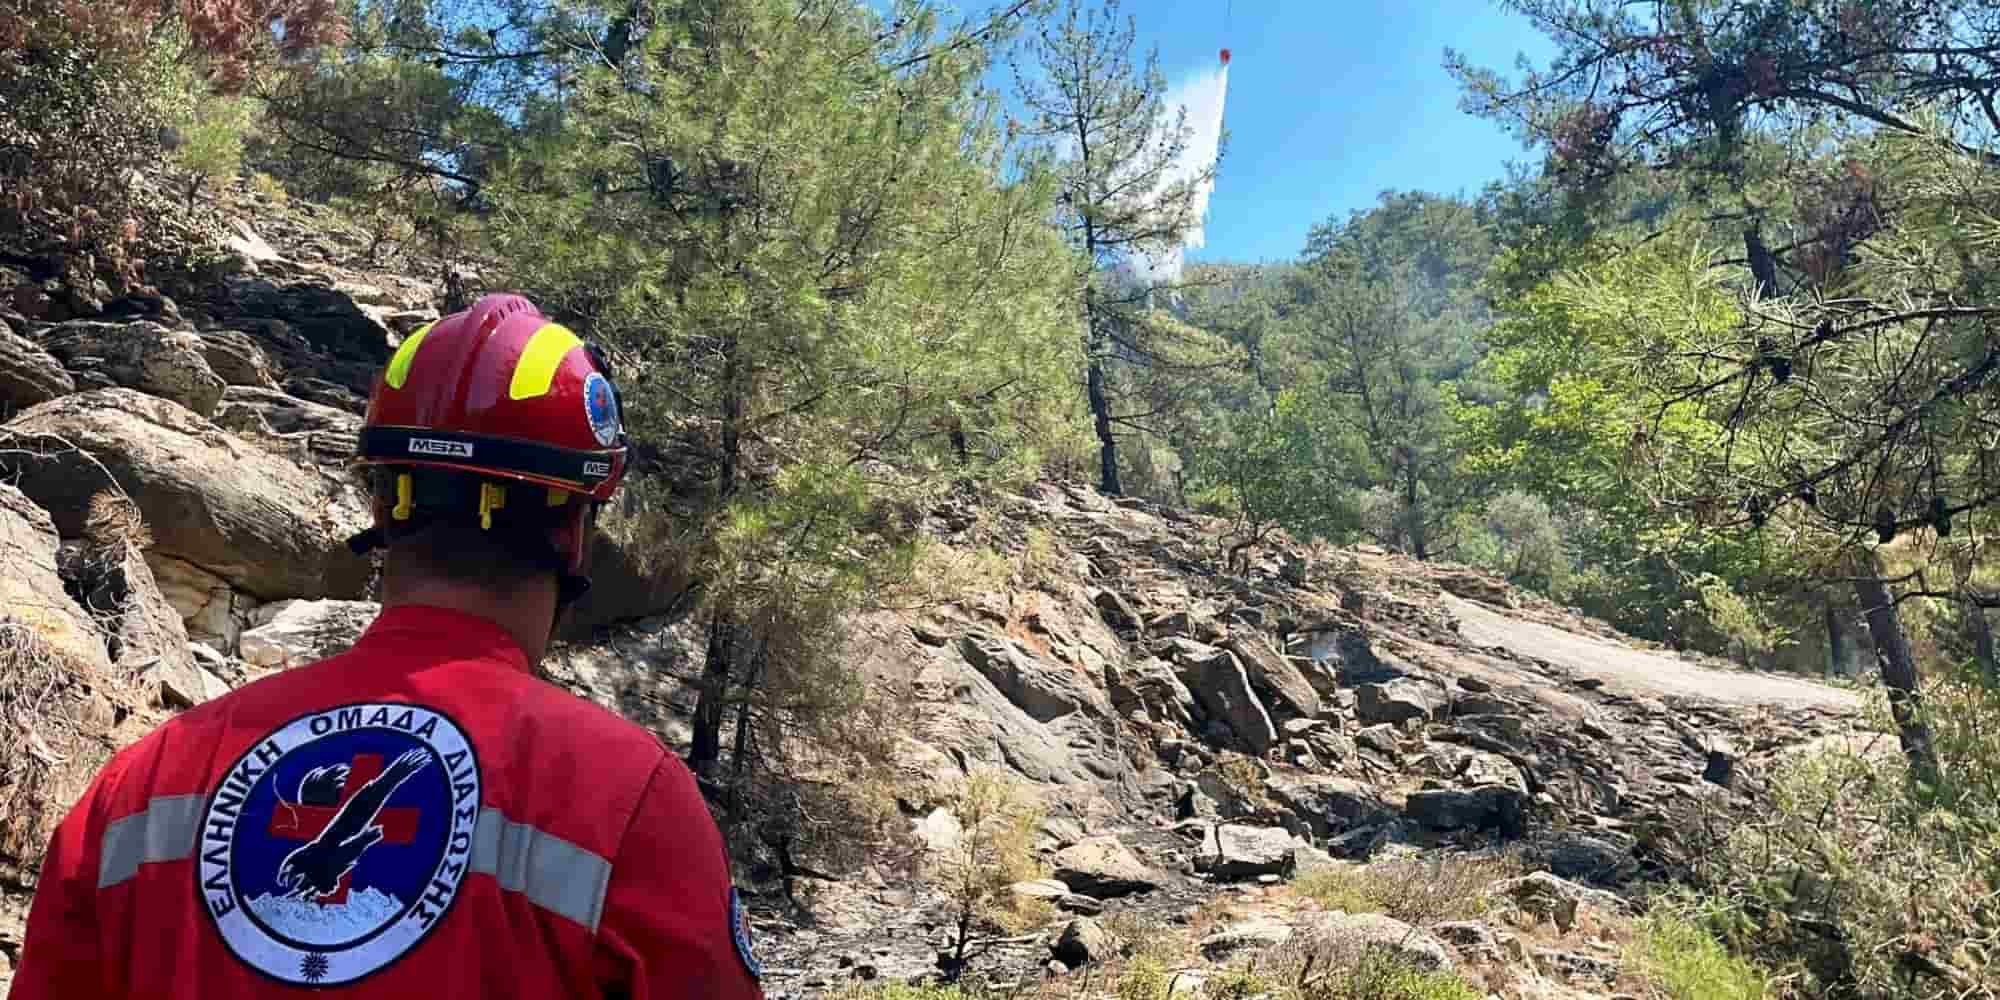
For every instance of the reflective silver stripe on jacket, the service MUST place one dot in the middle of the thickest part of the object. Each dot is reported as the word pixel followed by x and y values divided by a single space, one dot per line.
pixel 166 831
pixel 553 873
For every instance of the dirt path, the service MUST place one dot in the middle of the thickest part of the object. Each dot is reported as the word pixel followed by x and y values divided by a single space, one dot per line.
pixel 1633 671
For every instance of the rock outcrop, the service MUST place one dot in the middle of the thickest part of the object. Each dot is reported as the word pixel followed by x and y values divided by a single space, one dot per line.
pixel 264 526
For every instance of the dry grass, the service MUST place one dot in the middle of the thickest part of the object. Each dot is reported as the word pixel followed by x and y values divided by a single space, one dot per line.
pixel 1419 891
pixel 54 718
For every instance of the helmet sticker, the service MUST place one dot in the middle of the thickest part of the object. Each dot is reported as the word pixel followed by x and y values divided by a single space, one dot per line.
pixel 337 843
pixel 739 931
pixel 600 407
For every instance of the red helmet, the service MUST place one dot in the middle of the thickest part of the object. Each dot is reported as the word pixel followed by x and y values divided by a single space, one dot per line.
pixel 499 392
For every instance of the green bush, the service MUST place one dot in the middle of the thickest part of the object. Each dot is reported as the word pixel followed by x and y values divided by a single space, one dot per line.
pixel 1383 976
pixel 1868 883
pixel 1683 959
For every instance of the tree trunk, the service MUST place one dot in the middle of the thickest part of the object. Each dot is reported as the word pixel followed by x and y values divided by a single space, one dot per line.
pixel 1107 445
pixel 1413 510
pixel 706 747
pixel 1839 658
pixel 1981 630
pixel 1899 667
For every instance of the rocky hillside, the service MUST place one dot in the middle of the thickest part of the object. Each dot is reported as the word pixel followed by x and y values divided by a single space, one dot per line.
pixel 172 519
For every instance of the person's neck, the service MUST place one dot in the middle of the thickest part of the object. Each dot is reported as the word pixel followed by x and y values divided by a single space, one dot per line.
pixel 515 616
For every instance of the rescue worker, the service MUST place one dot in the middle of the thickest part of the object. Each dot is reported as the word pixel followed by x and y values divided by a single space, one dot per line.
pixel 420 816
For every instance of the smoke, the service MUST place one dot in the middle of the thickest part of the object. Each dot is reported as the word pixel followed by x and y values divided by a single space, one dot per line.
pixel 1202 95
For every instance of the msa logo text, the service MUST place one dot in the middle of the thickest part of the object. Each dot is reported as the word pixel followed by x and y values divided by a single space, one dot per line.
pixel 432 446
pixel 597 470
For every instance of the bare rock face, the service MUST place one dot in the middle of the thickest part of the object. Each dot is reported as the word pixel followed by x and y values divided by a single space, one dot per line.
pixel 148 636
pixel 1231 851
pixel 1044 690
pixel 31 588
pixel 294 633
pixel 1270 673
pixel 1219 682
pixel 214 613
pixel 269 528
pixel 304 432
pixel 28 374
pixel 235 357
pixel 1338 938
pixel 1398 701
pixel 142 355
pixel 1102 868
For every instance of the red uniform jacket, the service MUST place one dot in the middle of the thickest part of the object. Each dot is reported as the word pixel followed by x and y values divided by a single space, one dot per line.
pixel 417 817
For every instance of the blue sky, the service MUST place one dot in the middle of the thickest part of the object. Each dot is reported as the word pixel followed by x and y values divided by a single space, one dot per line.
pixel 1332 101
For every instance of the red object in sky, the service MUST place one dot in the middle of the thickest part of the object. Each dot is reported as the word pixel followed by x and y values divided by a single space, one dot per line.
pixel 1225 57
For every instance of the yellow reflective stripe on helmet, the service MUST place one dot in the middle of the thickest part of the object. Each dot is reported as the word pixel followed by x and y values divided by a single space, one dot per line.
pixel 536 371
pixel 399 366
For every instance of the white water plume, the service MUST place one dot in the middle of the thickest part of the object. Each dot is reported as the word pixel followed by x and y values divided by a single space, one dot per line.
pixel 1202 96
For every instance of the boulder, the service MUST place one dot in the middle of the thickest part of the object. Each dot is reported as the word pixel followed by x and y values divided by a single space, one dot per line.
pixel 624 587
pixel 31 589
pixel 340 341
pixel 1545 895
pixel 1489 806
pixel 28 374
pixel 235 357
pixel 303 432
pixel 1475 586
pixel 141 355
pixel 1275 677
pixel 1151 687
pixel 1117 612
pixel 1103 867
pixel 1338 939
pixel 1585 858
pixel 267 527
pixel 214 613
pixel 1082 940
pixel 148 638
pixel 295 633
pixel 1329 805
pixel 1397 701
pixel 1260 933
pixel 1238 852
pixel 1218 681
pixel 1043 689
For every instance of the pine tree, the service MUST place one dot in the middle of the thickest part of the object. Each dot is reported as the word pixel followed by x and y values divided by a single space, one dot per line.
pixel 1122 204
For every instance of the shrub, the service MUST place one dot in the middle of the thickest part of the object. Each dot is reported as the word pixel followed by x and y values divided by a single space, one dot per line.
pixel 1867 882
pixel 1679 956
pixel 1417 891
pixel 999 819
pixel 1382 976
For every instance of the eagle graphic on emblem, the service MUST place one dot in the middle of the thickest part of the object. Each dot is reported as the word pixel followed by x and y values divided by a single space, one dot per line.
pixel 316 868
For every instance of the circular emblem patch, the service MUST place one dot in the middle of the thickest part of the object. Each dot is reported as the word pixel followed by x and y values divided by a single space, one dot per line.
pixel 739 930
pixel 600 405
pixel 338 842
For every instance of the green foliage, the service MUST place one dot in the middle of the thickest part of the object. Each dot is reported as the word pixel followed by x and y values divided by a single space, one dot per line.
pixel 1679 955
pixel 999 819
pixel 1866 882
pixel 1380 975
pixel 1280 468
pixel 1124 206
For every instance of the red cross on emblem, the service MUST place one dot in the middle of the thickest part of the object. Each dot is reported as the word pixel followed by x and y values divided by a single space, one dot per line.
pixel 301 822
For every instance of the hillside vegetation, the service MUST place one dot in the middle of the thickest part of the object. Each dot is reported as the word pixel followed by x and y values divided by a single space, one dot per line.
pixel 1641 498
